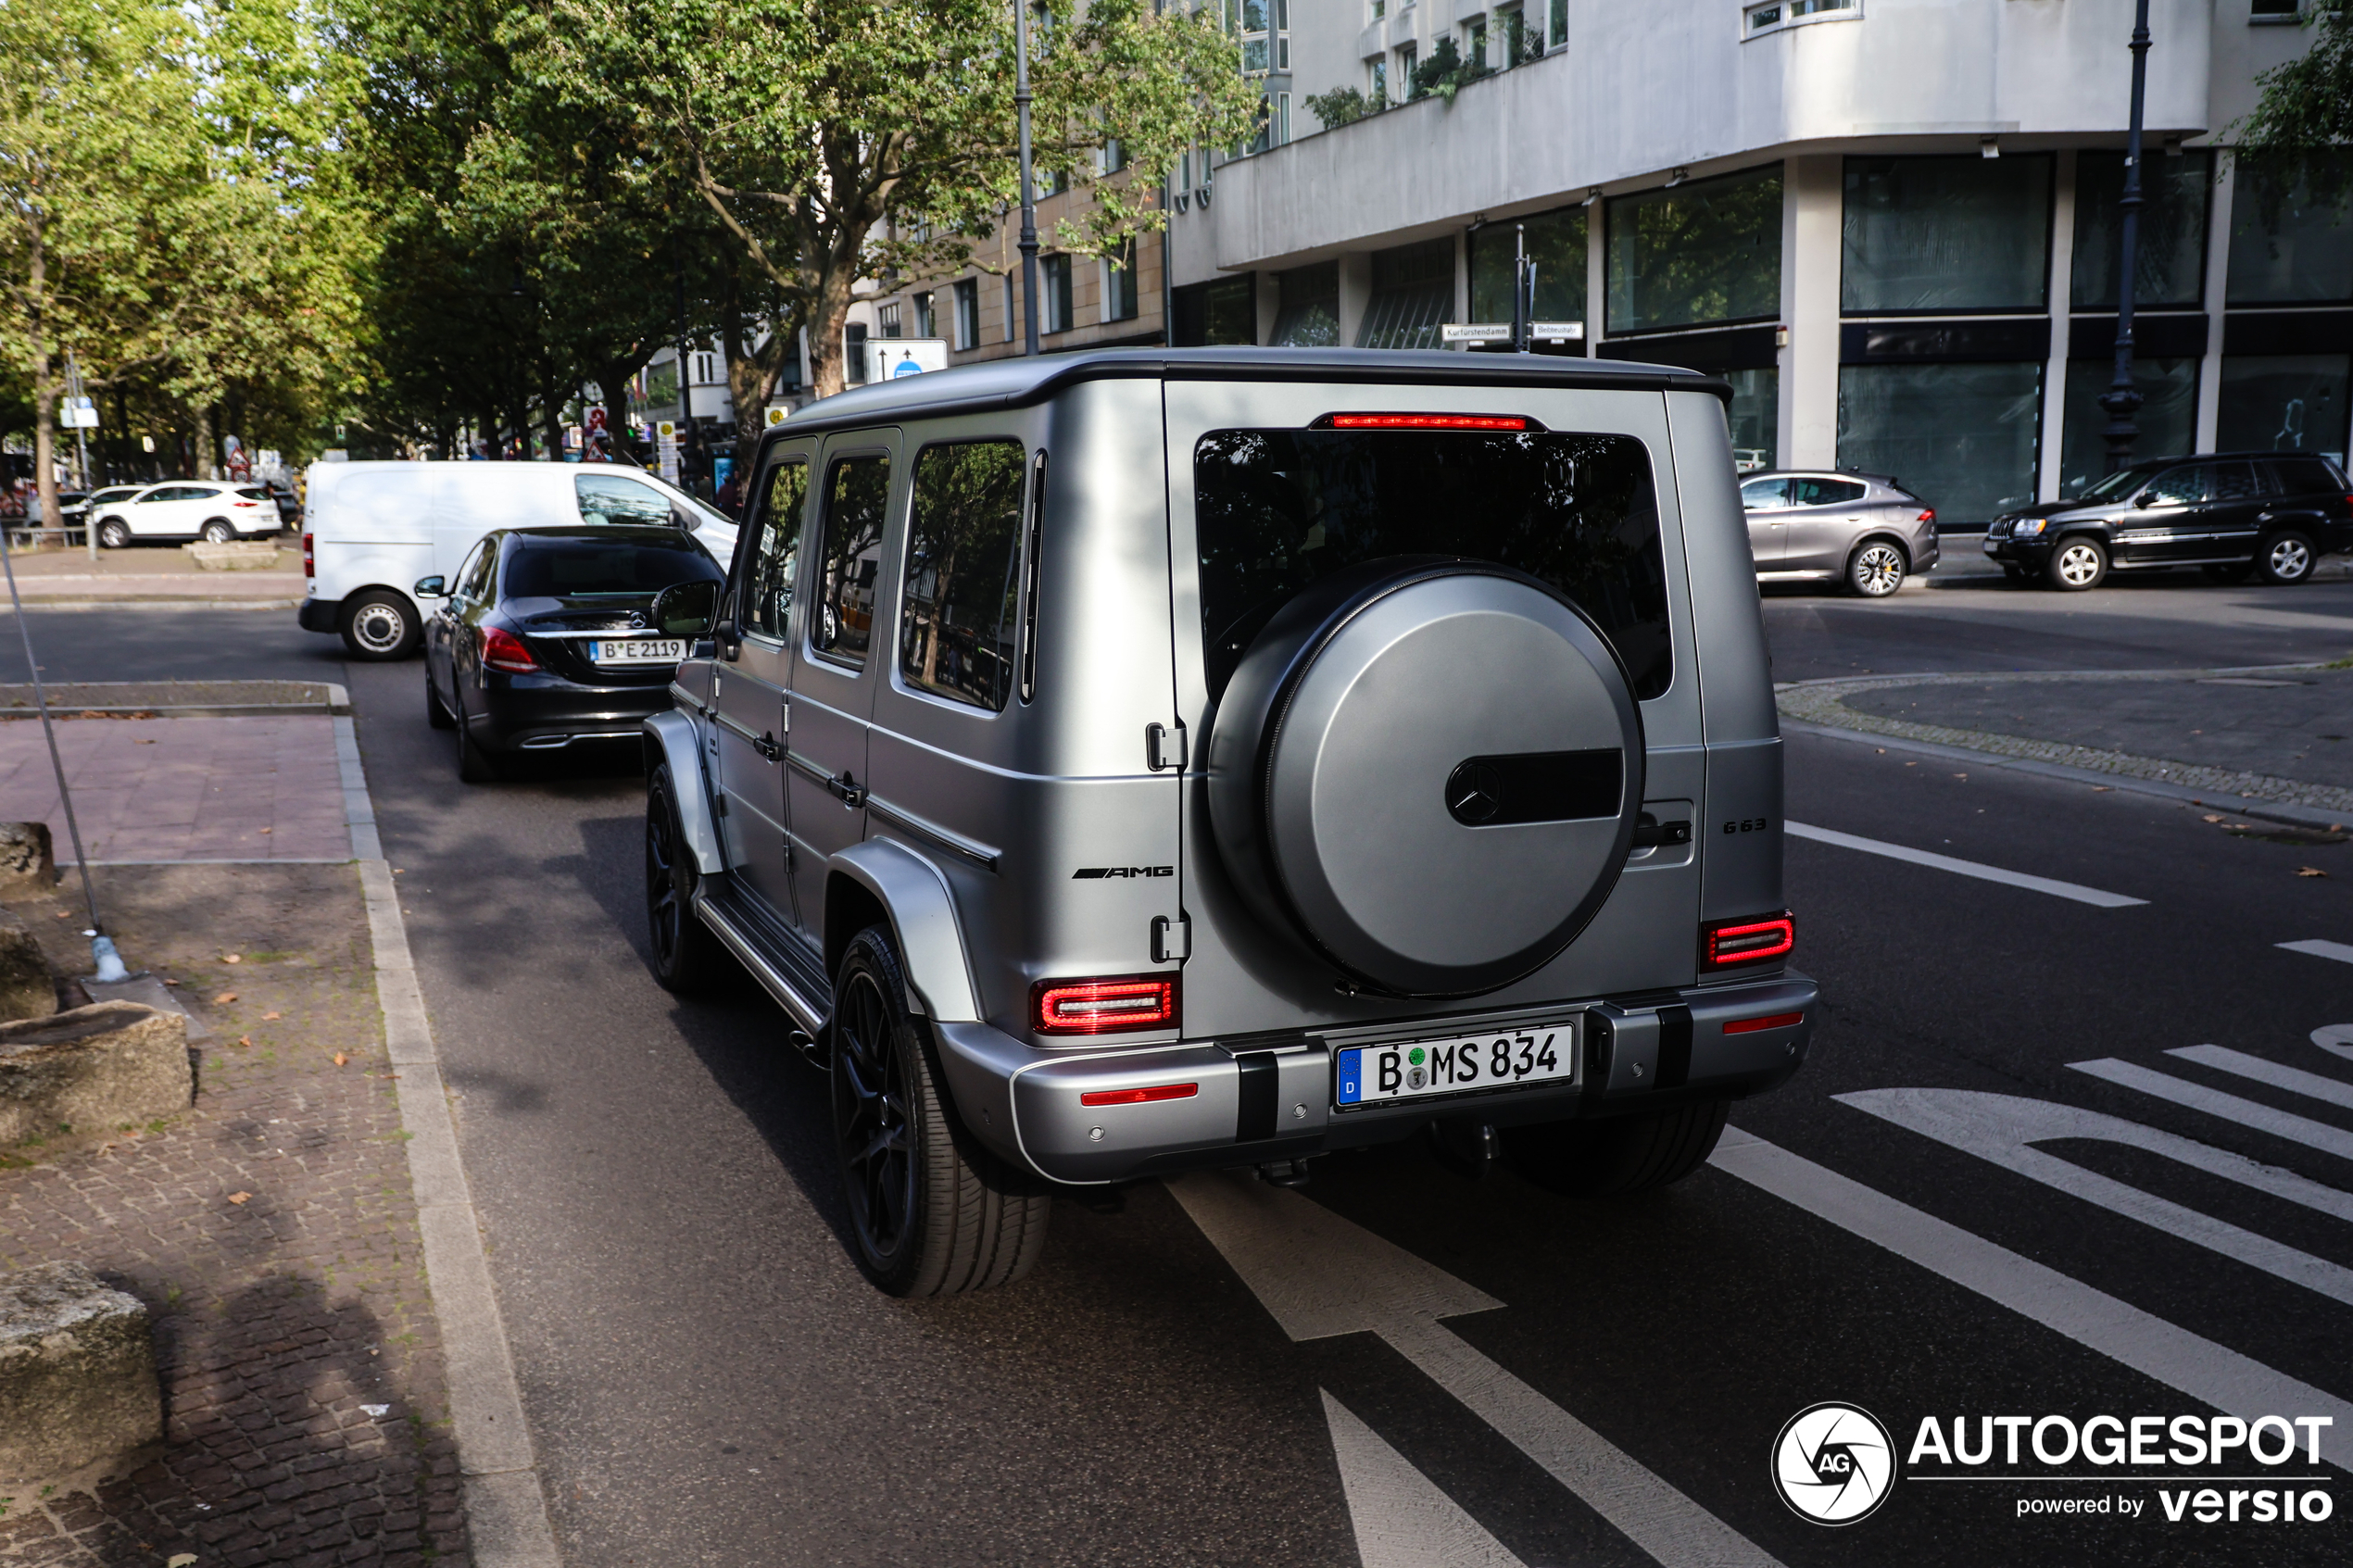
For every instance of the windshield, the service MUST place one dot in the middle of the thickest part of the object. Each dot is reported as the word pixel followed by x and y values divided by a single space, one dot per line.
pixel 2118 486
pixel 1275 509
pixel 572 568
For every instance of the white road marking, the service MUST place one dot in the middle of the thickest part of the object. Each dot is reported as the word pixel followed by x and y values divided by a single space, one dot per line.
pixel 1320 1276
pixel 2230 1107
pixel 2320 949
pixel 2336 1038
pixel 2232 1383
pixel 1402 1520
pixel 2055 888
pixel 2295 1081
pixel 1998 1128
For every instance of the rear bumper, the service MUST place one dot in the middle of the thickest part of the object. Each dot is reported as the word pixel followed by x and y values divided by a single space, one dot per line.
pixel 1253 1104
pixel 546 712
pixel 319 615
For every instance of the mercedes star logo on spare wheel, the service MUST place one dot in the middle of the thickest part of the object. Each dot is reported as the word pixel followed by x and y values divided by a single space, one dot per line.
pixel 1473 793
pixel 1833 1463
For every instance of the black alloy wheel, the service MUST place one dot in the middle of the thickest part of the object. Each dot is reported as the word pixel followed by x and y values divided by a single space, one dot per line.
pixel 930 1212
pixel 685 953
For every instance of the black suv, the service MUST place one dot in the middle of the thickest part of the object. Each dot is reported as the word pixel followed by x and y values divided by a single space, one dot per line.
pixel 2273 514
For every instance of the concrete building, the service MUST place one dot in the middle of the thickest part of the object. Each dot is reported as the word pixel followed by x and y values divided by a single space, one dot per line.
pixel 1891 223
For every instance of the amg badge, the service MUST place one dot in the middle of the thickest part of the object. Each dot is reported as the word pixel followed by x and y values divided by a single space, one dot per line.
pixel 1093 873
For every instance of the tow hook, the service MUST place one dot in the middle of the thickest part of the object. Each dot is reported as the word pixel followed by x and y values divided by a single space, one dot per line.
pixel 1284 1173
pixel 1467 1148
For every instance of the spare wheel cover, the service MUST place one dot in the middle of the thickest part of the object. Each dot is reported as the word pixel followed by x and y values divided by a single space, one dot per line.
pixel 1448 779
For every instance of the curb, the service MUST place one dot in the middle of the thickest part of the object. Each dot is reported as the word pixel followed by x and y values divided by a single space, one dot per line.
pixel 338 702
pixel 506 1506
pixel 37 601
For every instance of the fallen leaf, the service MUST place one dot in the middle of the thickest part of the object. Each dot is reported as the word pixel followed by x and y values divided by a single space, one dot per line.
pixel 241 1198
pixel 265 830
pixel 2101 789
pixel 168 981
pixel 1960 775
pixel 151 743
pixel 245 1039
pixel 181 1559
pixel 232 958
pixel 223 999
pixel 2309 871
pixel 340 1059
pixel 268 1016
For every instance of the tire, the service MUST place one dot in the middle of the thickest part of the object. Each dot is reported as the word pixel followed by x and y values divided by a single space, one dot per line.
pixel 473 765
pixel 2077 563
pixel 1616 1157
pixel 2286 559
pixel 1876 569
pixel 930 1214
pixel 686 956
pixel 437 714
pixel 114 534
pixel 380 627
pixel 217 533
pixel 2231 572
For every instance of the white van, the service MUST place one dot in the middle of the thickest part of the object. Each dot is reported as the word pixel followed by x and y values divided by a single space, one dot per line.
pixel 371 530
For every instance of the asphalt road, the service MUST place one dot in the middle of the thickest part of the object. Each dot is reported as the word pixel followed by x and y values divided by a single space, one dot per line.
pixel 709 1380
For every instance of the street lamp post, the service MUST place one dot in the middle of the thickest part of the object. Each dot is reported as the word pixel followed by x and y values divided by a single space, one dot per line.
pixel 2122 400
pixel 1028 196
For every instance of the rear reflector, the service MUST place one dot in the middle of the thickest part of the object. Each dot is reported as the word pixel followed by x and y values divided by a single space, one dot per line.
pixel 1139 1096
pixel 1727 943
pixel 1426 421
pixel 1751 1025
pixel 1103 1007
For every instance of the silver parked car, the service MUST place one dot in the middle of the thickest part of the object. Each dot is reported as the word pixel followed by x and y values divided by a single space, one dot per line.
pixel 1824 526
pixel 1134 762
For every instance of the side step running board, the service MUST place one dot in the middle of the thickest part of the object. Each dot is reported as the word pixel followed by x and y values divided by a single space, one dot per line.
pixel 804 1011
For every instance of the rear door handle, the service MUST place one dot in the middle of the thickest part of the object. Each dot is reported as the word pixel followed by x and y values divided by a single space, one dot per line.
pixel 847 790
pixel 766 746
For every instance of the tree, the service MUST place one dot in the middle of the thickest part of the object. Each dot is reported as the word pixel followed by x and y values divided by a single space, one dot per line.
pixel 2302 125
pixel 835 140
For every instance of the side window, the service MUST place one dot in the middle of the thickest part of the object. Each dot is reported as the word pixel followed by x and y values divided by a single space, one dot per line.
pixel 1765 495
pixel 775 554
pixel 474 578
pixel 956 629
pixel 850 553
pixel 2302 476
pixel 2233 482
pixel 606 498
pixel 1824 492
pixel 2177 485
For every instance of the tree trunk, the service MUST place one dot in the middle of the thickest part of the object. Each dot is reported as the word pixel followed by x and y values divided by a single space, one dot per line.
pixel 44 396
pixel 204 463
pixel 551 413
pixel 828 314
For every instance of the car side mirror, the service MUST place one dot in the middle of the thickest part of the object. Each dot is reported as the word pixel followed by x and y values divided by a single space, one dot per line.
pixel 431 588
pixel 686 609
pixel 2145 498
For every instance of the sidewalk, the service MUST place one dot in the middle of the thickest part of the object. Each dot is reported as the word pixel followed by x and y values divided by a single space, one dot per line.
pixel 152 572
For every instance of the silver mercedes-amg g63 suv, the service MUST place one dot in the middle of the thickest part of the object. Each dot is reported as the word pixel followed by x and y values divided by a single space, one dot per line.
pixel 1122 762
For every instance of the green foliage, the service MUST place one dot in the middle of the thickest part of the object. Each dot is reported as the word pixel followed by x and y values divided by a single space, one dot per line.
pixel 1445 73
pixel 2304 119
pixel 1341 106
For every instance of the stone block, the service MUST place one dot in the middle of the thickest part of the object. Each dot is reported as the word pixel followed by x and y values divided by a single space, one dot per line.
pixel 94 1068
pixel 28 863
pixel 79 1398
pixel 241 556
pixel 28 987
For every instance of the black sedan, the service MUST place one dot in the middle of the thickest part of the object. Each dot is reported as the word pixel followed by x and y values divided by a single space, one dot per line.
pixel 556 637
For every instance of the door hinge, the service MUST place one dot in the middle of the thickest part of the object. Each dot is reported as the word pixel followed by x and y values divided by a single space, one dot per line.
pixel 1165 747
pixel 1172 940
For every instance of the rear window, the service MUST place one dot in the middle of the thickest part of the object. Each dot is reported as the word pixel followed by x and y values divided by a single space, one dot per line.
pixel 567 570
pixel 1275 509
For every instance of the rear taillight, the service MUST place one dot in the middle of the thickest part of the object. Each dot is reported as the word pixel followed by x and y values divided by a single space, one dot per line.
pixel 501 649
pixel 1928 514
pixel 1139 1096
pixel 1103 1007
pixel 310 560
pixel 1728 944
pixel 245 503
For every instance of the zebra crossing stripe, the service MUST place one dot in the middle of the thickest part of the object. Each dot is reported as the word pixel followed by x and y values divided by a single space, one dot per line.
pixel 2320 949
pixel 2295 1080
pixel 2230 1382
pixel 2230 1107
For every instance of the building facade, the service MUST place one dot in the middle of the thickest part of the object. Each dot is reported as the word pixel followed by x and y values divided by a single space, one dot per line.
pixel 1891 224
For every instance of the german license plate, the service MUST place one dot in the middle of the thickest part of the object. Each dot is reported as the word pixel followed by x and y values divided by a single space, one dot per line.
pixel 638 650
pixel 1419 1069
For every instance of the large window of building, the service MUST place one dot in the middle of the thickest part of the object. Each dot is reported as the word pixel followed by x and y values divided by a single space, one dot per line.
pixel 2168 260
pixel 2286 247
pixel 1413 295
pixel 967 313
pixel 1961 437
pixel 1704 251
pixel 1307 302
pixel 1946 235
pixel 1054 301
pixel 1754 418
pixel 2168 418
pixel 1119 286
pixel 1556 243
pixel 2284 402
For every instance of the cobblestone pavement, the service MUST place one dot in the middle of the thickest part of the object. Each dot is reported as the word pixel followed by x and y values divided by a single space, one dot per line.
pixel 271 1233
pixel 182 789
pixel 2277 734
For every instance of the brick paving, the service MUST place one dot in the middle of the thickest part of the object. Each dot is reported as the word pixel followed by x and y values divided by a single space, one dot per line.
pixel 271 1233
pixel 182 789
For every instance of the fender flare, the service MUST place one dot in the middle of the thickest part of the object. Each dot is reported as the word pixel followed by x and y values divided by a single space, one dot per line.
pixel 672 737
pixel 914 894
